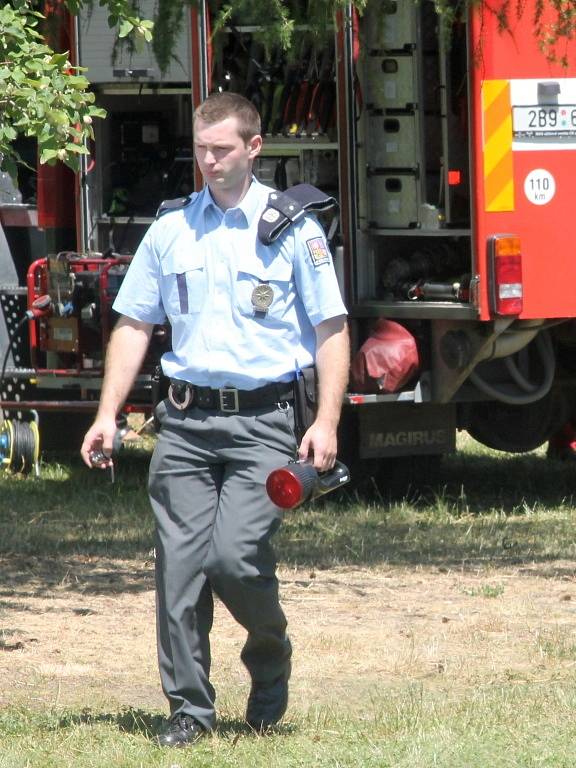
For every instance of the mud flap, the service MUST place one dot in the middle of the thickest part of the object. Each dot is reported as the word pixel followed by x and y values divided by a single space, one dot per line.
pixel 406 430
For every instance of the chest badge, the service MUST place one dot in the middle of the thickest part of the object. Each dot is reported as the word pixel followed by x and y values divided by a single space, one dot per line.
pixel 262 297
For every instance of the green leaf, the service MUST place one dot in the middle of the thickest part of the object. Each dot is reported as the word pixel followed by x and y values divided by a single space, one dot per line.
pixel 125 28
pixel 60 59
pixel 78 82
pixel 58 117
pixel 78 149
pixel 48 154
pixel 34 66
pixel 9 133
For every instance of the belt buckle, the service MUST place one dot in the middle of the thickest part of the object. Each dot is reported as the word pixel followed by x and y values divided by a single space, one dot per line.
pixel 229 399
pixel 180 405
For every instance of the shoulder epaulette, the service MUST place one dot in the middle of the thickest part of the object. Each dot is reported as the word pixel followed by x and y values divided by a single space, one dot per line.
pixel 172 205
pixel 285 208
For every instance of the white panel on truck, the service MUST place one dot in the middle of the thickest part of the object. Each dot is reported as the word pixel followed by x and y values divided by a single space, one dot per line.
pixel 110 60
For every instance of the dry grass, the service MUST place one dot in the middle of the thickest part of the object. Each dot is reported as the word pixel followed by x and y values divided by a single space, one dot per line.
pixel 355 631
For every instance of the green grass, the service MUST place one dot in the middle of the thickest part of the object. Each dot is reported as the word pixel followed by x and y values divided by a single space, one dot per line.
pixel 484 510
pixel 516 726
pixel 557 643
pixel 71 510
pixel 486 590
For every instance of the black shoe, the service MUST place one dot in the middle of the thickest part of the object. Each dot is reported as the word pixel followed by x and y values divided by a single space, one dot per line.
pixel 180 731
pixel 267 703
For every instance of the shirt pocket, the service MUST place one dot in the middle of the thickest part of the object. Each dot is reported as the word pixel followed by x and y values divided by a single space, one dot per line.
pixel 184 283
pixel 264 290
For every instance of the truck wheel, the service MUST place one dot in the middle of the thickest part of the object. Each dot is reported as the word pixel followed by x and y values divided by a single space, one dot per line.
pixel 516 428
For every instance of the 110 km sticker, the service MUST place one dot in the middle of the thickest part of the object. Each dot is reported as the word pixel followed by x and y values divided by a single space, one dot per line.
pixel 539 186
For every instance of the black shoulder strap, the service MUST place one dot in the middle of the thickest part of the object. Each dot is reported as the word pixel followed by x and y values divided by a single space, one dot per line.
pixel 172 205
pixel 285 208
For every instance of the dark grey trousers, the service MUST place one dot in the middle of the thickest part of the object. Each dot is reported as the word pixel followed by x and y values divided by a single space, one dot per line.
pixel 214 522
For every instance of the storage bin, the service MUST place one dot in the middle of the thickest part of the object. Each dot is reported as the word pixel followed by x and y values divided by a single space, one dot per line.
pixel 393 199
pixel 392 140
pixel 390 81
pixel 390 24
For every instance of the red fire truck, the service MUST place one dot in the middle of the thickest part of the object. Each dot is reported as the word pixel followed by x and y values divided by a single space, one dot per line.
pixel 451 148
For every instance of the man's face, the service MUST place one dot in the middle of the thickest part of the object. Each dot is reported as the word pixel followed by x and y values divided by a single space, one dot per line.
pixel 224 158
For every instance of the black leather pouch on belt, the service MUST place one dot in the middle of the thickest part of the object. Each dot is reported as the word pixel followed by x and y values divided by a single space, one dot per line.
pixel 305 400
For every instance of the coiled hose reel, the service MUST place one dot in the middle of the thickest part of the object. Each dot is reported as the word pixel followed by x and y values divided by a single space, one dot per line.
pixel 20 440
pixel 19 446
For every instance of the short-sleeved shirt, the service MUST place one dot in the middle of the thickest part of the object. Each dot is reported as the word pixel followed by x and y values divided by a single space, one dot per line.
pixel 199 267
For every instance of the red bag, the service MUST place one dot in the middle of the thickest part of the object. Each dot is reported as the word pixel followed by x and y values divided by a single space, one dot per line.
pixel 386 361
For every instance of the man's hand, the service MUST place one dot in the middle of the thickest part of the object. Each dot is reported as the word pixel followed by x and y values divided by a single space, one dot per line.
pixel 126 350
pixel 319 445
pixel 99 438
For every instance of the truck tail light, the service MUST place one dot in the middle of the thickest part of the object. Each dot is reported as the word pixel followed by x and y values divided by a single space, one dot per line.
pixel 507 275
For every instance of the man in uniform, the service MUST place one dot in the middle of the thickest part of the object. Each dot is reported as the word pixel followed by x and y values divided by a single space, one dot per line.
pixel 246 318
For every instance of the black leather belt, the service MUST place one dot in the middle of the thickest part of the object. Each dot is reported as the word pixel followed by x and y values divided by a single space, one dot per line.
pixel 227 399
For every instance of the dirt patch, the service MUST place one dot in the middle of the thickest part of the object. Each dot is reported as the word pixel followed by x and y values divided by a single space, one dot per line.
pixel 80 633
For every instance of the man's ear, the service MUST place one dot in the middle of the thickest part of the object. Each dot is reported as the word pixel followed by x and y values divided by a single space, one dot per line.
pixel 255 145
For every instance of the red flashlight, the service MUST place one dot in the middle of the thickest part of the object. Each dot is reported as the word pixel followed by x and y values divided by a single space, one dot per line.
pixel 297 482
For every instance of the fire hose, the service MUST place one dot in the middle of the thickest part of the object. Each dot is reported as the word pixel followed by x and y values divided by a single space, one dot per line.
pixel 530 392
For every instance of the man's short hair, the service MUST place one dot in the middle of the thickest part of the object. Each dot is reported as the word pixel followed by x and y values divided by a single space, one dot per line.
pixel 219 106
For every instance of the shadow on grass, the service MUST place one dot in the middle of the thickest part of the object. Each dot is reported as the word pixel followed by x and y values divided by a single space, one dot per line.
pixel 474 483
pixel 149 725
pixel 73 527
pixel 70 509
pixel 499 510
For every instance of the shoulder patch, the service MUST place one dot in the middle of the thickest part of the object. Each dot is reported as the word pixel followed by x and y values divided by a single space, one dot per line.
pixel 318 250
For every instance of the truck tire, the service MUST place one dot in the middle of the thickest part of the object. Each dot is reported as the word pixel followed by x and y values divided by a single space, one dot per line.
pixel 516 428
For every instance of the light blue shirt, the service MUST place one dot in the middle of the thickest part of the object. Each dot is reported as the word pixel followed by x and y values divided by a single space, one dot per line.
pixel 198 266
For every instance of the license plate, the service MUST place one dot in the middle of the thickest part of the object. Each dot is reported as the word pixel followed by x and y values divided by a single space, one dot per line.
pixel 548 121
